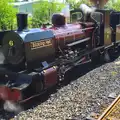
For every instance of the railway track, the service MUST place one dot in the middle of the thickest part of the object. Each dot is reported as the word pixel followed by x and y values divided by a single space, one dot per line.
pixel 112 112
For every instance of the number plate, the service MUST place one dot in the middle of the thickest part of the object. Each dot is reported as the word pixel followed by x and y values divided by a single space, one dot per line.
pixel 40 44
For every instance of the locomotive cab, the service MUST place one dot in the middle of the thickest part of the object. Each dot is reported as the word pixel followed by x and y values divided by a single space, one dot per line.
pixel 115 23
pixel 88 17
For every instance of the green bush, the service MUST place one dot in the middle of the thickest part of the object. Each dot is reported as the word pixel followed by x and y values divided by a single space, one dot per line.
pixel 29 22
pixel 76 4
pixel 42 12
pixel 113 5
pixel 116 5
pixel 7 15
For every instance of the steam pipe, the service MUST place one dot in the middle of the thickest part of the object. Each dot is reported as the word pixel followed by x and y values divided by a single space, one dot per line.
pixel 87 10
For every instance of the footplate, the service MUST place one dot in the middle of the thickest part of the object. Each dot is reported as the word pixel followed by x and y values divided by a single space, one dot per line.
pixel 113 111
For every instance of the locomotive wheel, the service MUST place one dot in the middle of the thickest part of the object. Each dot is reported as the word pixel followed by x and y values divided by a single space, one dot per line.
pixel 95 57
pixel 112 54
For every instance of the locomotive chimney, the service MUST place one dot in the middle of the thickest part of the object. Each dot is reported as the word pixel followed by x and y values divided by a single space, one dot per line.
pixel 22 21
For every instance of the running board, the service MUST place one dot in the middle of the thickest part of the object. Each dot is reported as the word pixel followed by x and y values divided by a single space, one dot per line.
pixel 78 42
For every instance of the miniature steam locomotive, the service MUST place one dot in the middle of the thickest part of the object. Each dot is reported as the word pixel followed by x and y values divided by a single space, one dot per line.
pixel 34 60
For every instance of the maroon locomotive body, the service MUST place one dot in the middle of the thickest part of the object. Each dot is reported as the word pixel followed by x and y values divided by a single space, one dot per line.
pixel 70 33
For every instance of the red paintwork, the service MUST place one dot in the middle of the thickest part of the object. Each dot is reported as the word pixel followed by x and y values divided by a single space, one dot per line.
pixel 70 33
pixel 88 31
pixel 88 24
pixel 50 76
pixel 9 94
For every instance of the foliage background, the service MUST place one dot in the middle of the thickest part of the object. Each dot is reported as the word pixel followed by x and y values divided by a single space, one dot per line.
pixel 112 4
pixel 41 12
pixel 76 3
pixel 7 15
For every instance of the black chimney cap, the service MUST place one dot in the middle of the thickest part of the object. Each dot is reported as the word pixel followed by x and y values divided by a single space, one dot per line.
pixel 22 13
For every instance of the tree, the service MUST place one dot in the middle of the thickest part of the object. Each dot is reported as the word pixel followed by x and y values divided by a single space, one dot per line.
pixel 109 4
pixel 43 11
pixel 76 4
pixel 116 5
pixel 113 4
pixel 7 14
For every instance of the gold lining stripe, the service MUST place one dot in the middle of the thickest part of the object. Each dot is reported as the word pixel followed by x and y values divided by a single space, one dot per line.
pixel 40 44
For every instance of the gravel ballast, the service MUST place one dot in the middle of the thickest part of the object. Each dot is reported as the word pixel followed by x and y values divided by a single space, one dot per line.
pixel 89 93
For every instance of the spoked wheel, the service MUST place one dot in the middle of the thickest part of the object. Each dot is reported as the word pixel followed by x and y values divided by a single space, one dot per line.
pixel 95 57
pixel 113 54
pixel 110 55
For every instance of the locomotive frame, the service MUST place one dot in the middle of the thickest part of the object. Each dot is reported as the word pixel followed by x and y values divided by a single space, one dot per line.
pixel 98 37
